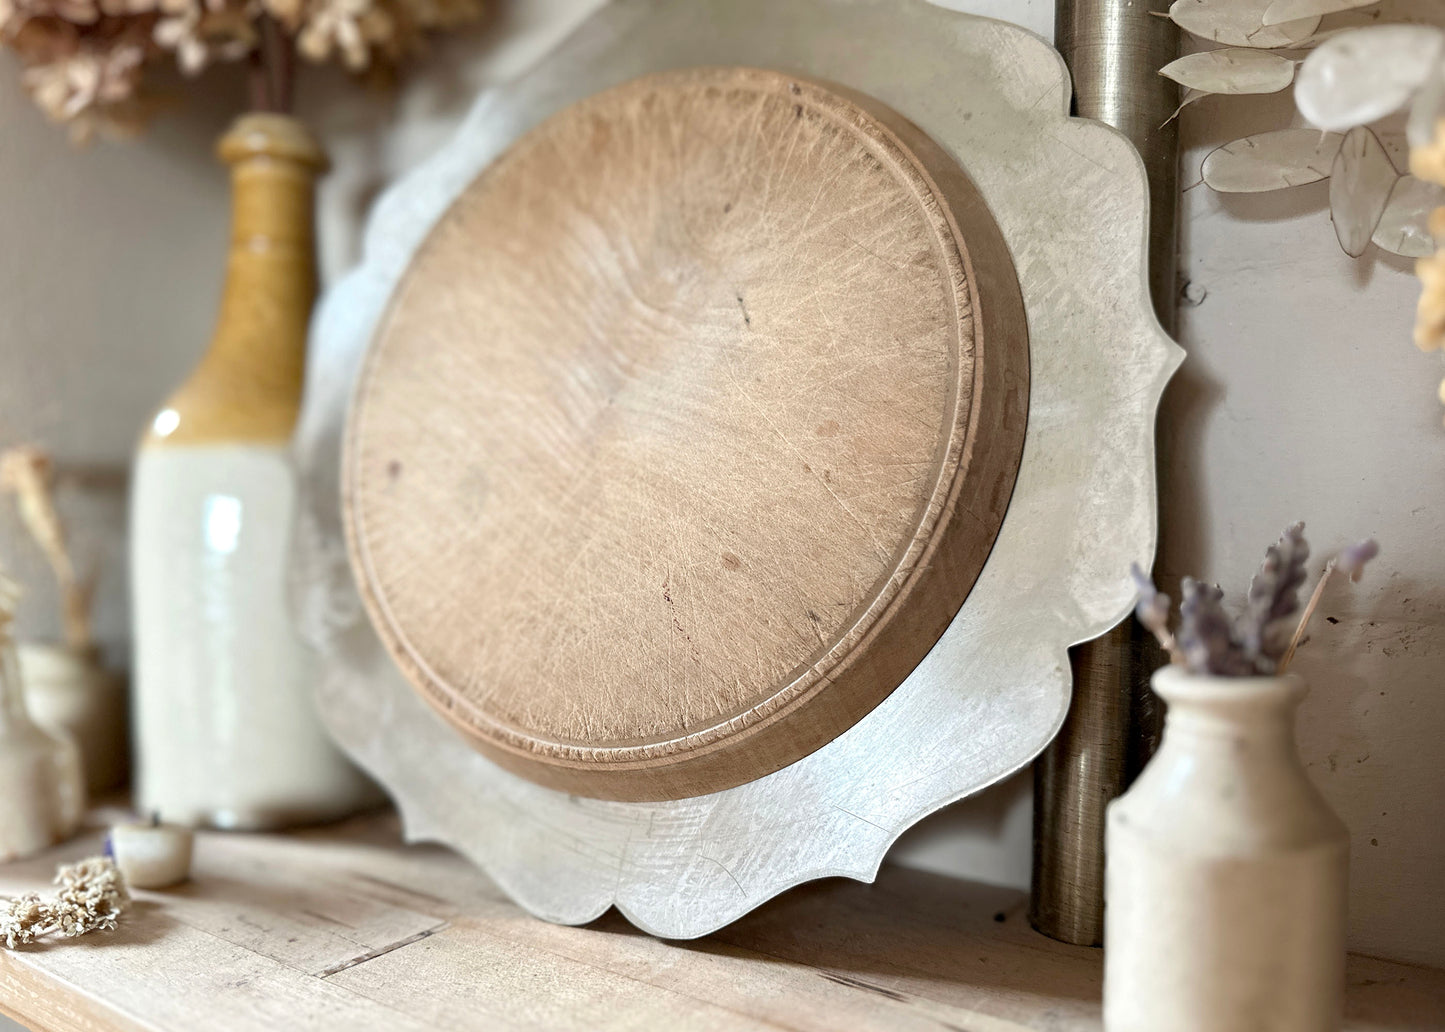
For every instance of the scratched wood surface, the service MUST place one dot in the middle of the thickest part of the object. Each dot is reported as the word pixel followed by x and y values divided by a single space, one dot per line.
pixel 346 928
pixel 688 432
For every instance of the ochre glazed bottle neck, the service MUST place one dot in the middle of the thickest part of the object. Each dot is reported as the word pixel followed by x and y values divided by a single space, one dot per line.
pixel 248 386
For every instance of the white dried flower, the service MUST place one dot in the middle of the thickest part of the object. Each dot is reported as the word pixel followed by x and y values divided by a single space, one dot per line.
pixel 88 79
pixel 91 898
pixel 347 27
pixel 203 32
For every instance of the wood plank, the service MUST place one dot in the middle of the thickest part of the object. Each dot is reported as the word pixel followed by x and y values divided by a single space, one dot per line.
pixel 467 976
pixel 345 927
pixel 749 968
pixel 156 973
pixel 924 936
pixel 297 915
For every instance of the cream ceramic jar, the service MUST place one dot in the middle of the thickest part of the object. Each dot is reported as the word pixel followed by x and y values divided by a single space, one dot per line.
pixel 68 688
pixel 42 786
pixel 1226 870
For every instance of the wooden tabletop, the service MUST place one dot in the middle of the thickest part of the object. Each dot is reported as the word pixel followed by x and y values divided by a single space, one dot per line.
pixel 344 927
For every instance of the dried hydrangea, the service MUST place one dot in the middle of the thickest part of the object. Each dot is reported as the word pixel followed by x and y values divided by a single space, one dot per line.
pixel 81 66
pixel 1264 637
pixel 91 897
pixel 83 61
pixel 352 29
pixel 203 32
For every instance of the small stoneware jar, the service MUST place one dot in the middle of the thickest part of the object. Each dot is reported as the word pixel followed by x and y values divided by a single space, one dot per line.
pixel 1225 885
pixel 42 786
pixel 68 688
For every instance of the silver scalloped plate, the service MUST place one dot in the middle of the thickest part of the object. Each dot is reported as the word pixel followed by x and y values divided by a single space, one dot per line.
pixel 1069 196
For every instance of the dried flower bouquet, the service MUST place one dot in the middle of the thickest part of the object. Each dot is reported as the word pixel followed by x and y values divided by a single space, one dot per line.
pixel 83 61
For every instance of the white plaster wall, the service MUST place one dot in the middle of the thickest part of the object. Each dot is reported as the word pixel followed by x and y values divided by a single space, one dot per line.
pixel 1302 398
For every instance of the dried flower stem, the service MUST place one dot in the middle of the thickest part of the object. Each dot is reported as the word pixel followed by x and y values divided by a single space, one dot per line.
pixel 1351 562
pixel 1153 612
pixel 26 470
pixel 272 67
pixel 1170 645
pixel 9 596
pixel 1304 620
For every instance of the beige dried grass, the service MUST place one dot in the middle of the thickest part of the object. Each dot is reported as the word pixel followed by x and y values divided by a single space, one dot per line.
pixel 26 471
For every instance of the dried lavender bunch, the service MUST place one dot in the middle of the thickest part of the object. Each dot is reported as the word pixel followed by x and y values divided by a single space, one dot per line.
pixel 1263 639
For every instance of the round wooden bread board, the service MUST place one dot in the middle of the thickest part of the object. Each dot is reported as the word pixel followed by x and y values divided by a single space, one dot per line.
pixel 687 432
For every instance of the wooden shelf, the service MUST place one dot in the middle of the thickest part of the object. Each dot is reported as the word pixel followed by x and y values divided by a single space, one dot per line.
pixel 344 927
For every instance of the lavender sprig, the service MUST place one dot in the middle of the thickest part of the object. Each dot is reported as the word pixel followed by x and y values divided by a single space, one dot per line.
pixel 1352 558
pixel 1205 632
pixel 1153 612
pixel 1263 630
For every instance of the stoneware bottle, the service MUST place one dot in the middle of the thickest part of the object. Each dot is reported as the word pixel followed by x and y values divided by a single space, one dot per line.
pixel 42 787
pixel 226 728
pixel 1225 872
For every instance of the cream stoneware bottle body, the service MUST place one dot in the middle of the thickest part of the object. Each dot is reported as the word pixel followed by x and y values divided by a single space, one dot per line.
pixel 226 728
pixel 1226 872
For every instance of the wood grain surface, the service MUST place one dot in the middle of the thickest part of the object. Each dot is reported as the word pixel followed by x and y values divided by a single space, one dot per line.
pixel 344 927
pixel 687 432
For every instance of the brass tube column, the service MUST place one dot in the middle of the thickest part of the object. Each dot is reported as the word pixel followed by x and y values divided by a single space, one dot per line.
pixel 1114 50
